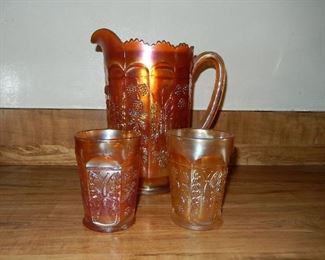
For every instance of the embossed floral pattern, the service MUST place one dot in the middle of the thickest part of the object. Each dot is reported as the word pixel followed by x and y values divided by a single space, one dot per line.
pixel 110 189
pixel 141 111
pixel 197 192
pixel 148 91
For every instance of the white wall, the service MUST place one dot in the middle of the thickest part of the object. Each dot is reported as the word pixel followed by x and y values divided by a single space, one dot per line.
pixel 273 50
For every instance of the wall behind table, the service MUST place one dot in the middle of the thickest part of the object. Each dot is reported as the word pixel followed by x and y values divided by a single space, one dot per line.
pixel 273 50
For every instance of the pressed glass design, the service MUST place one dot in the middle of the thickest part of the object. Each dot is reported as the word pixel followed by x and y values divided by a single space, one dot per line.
pixel 198 165
pixel 109 170
pixel 149 90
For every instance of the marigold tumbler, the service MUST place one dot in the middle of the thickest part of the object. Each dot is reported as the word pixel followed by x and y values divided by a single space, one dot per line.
pixel 197 164
pixel 109 170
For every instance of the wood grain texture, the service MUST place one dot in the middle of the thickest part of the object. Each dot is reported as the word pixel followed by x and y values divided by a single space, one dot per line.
pixel 37 155
pixel 45 136
pixel 46 126
pixel 269 213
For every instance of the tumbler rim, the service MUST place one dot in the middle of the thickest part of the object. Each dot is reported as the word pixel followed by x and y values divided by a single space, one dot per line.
pixel 106 134
pixel 200 134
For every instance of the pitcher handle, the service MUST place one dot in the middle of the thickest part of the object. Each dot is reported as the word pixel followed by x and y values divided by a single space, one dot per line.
pixel 202 62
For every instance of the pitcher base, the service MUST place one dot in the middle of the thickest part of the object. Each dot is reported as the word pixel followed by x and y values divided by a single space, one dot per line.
pixel 150 186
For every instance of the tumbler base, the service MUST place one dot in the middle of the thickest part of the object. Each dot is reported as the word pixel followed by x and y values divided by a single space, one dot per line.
pixel 195 226
pixel 108 228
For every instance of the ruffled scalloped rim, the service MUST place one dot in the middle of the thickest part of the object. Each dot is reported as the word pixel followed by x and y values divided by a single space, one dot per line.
pixel 157 43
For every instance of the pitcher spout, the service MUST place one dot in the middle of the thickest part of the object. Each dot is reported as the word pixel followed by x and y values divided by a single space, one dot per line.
pixel 107 41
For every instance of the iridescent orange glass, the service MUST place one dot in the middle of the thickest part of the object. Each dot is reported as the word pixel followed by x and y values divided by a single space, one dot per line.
pixel 198 166
pixel 149 90
pixel 109 171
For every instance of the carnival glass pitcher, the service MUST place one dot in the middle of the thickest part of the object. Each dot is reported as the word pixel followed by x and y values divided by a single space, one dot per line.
pixel 149 90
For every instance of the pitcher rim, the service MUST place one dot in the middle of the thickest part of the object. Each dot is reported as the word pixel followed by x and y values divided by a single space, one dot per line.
pixel 157 43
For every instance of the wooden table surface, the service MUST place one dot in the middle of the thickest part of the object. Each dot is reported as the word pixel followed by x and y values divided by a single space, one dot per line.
pixel 269 212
